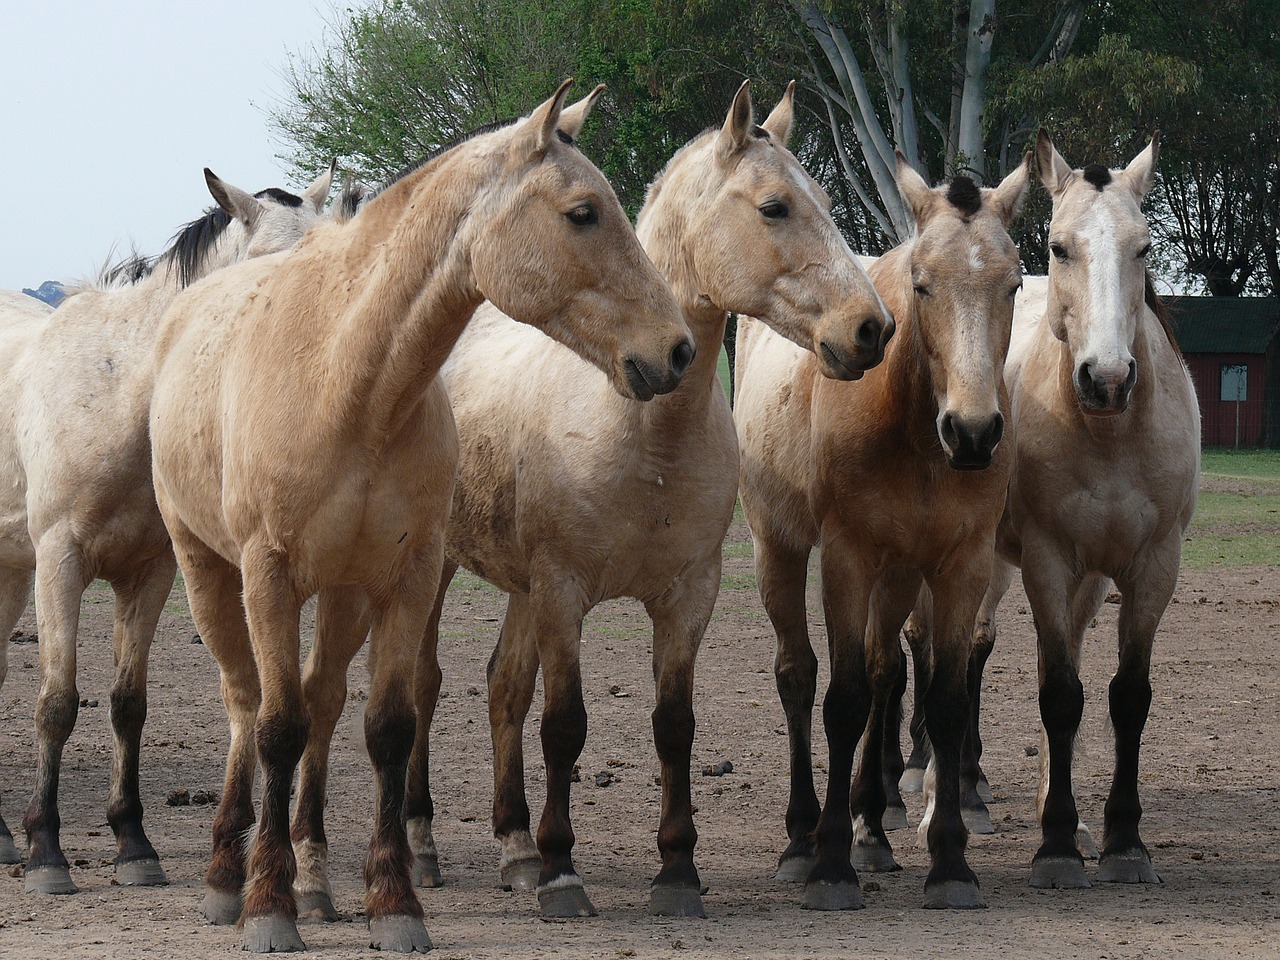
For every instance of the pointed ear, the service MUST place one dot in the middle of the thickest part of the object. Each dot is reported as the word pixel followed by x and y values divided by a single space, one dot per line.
pixel 920 198
pixel 737 125
pixel 539 128
pixel 239 205
pixel 318 192
pixel 1006 199
pixel 573 116
pixel 1049 163
pixel 782 118
pixel 1141 171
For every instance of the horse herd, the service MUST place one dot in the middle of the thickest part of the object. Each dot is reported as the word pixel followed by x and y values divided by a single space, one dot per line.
pixel 296 403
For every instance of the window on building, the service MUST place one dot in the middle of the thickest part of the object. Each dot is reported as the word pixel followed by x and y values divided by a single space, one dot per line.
pixel 1235 382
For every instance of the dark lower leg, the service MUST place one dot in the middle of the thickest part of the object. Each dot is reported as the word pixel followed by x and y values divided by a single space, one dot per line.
pixel 1061 707
pixel 1130 697
pixel 564 733
pixel 946 714
pixel 56 712
pixel 891 752
pixel 389 729
pixel 512 675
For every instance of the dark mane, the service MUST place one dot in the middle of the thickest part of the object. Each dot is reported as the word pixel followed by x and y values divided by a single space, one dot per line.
pixel 192 243
pixel 1161 311
pixel 126 271
pixel 963 194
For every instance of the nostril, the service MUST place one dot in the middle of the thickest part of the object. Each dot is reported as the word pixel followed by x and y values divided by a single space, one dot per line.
pixel 681 356
pixel 869 331
pixel 1084 376
pixel 1132 377
pixel 949 434
pixel 995 431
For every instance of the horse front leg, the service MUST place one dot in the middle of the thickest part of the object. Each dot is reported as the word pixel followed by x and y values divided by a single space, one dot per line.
pixel 957 593
pixel 679 623
pixel 342 622
pixel 512 675
pixel 60 581
pixel 918 632
pixel 891 602
pixel 782 574
pixel 1145 594
pixel 832 884
pixel 15 589
pixel 140 599
pixel 419 809
pixel 557 617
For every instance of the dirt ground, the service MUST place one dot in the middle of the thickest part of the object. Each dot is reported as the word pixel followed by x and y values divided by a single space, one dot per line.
pixel 1209 786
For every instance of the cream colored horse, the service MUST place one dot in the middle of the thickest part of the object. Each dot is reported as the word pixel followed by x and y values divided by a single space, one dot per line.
pixel 303 443
pixel 901 478
pixel 76 501
pixel 569 494
pixel 1105 477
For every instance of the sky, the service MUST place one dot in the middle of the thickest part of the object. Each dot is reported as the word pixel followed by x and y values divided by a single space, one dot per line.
pixel 111 110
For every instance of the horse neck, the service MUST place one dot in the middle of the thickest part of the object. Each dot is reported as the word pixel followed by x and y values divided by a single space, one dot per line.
pixel 405 276
pixel 905 403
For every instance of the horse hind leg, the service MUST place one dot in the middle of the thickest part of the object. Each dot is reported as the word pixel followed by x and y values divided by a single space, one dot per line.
pixel 342 621
pixel 512 675
pixel 893 765
pixel 782 575
pixel 918 632
pixel 418 806
pixel 140 599
pixel 60 581
pixel 15 590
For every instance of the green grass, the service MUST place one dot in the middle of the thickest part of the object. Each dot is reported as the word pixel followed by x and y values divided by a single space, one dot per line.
pixel 723 368
pixel 1239 527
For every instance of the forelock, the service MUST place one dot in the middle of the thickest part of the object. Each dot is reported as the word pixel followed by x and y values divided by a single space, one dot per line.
pixel 964 195
pixel 1096 174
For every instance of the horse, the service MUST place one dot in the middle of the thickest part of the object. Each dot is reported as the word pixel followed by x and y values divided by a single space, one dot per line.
pixel 901 479
pixel 1104 485
pixel 569 494
pixel 77 504
pixel 303 444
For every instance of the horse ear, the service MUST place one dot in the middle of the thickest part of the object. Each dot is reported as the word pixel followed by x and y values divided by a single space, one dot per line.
pixel 737 125
pixel 782 118
pixel 573 116
pixel 540 128
pixel 318 192
pixel 239 205
pixel 1008 196
pixel 1141 171
pixel 1052 168
pixel 920 198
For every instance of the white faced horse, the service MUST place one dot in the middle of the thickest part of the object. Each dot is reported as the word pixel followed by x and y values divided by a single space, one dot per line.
pixel 76 500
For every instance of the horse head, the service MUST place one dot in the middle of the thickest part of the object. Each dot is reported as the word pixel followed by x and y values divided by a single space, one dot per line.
pixel 1098 245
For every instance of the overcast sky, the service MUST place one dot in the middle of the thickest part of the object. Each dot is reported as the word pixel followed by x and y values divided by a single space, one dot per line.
pixel 110 110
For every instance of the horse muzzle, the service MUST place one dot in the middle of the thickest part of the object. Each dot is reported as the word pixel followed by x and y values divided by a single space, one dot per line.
pixel 647 380
pixel 1104 391
pixel 970 444
pixel 848 361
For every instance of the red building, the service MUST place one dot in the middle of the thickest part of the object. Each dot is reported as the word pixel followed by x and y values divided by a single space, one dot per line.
pixel 1232 347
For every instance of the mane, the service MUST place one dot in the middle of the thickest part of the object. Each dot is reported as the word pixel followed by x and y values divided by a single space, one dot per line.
pixel 432 155
pixel 191 245
pixel 656 186
pixel 1161 310
pixel 125 272
pixel 964 195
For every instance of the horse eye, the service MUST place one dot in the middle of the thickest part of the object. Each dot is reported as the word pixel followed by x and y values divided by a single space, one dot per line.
pixel 1059 251
pixel 583 215
pixel 775 210
pixel 921 289
pixel 1144 252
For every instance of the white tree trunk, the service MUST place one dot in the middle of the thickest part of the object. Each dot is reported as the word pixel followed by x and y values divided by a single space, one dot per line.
pixel 970 143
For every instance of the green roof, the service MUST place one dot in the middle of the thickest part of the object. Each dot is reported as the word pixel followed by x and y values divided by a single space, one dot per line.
pixel 1225 324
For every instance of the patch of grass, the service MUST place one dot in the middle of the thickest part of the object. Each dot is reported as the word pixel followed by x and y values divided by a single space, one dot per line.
pixel 466 580
pixel 738 581
pixel 743 549
pixel 1239 527
pixel 1226 462
pixel 722 367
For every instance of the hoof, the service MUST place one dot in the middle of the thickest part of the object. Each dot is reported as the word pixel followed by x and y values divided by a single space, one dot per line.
pixel 954 895
pixel 978 820
pixel 8 851
pixel 221 907
pixel 426 872
pixel 912 780
pixel 1131 866
pixel 316 905
pixel 894 818
pixel 272 934
pixel 843 895
pixel 565 901
pixel 668 901
pixel 141 873
pixel 1059 873
pixel 521 875
pixel 984 791
pixel 399 934
pixel 55 880
pixel 873 857
pixel 795 869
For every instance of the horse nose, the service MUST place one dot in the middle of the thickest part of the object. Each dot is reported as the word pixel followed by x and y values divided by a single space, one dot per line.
pixel 682 355
pixel 970 444
pixel 1106 387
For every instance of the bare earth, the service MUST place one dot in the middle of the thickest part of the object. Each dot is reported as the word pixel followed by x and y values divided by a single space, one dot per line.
pixel 1210 790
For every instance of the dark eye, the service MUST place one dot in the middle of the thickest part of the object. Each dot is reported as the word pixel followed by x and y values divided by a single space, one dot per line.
pixel 775 210
pixel 1059 251
pixel 921 290
pixel 583 215
pixel 1144 252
